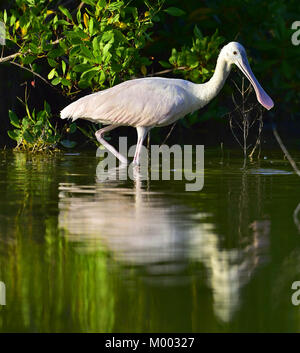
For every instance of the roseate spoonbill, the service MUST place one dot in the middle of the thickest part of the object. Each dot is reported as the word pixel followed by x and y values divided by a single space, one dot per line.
pixel 145 103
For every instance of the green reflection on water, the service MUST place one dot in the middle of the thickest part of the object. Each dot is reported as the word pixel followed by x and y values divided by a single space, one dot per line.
pixel 140 256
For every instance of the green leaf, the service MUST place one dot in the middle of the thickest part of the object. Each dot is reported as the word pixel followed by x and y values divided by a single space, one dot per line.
pixel 106 49
pixel 28 136
pixel 101 3
pixel 197 32
pixel 56 81
pixel 55 53
pixel 65 12
pixel 174 11
pixel 75 50
pixel 107 36
pixel 14 134
pixel 90 71
pixel 77 34
pixel 29 59
pixel 82 67
pixel 14 120
pixel 34 48
pixel 39 124
pixel 52 62
pixel 65 82
pixel 85 52
pixel 116 67
pixel 78 16
pixel 45 44
pixel 47 107
pixel 83 83
pixel 64 66
pixel 165 64
pixel 12 20
pixel 51 74
pixel 25 122
pixel 115 5
pixel 102 77
pixel 91 26
pixel 95 45
pixel 89 2
pixel 62 22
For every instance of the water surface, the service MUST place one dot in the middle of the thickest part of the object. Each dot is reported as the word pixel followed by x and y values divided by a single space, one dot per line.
pixel 80 255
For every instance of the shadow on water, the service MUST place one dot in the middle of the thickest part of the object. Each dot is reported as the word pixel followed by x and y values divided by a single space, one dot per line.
pixel 78 254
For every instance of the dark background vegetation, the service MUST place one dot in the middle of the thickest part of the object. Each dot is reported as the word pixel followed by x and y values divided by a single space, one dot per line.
pixel 263 27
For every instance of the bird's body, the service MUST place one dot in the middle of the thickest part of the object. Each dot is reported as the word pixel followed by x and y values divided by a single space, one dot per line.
pixel 150 102
pixel 153 102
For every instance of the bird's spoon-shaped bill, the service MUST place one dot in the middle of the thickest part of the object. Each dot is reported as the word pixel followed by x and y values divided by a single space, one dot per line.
pixel 261 95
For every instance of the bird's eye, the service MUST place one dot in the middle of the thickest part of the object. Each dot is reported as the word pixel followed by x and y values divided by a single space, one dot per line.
pixel 234 52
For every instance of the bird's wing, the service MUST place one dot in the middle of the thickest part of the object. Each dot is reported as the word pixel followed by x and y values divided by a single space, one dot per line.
pixel 140 102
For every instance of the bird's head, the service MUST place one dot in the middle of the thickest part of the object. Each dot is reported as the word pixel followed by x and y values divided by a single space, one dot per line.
pixel 235 53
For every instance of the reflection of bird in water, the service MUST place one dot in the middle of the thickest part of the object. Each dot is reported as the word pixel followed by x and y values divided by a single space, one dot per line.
pixel 145 229
pixel 137 225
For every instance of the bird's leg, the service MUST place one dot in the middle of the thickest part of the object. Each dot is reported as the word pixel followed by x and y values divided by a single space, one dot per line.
pixel 99 136
pixel 141 132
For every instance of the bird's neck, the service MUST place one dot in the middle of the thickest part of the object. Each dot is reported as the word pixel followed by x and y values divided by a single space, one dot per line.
pixel 207 91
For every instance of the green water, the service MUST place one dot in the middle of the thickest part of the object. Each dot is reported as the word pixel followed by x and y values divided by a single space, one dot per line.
pixel 79 255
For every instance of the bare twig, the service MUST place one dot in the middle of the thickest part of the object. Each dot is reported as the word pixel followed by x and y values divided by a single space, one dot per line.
pixel 34 73
pixel 232 130
pixel 9 57
pixel 169 133
pixel 260 127
pixel 148 141
pixel 166 71
pixel 245 120
pixel 13 56
pixel 297 171
pixel 285 151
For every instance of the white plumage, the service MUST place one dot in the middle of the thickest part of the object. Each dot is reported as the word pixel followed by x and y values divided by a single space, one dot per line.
pixel 149 102
pixel 141 102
